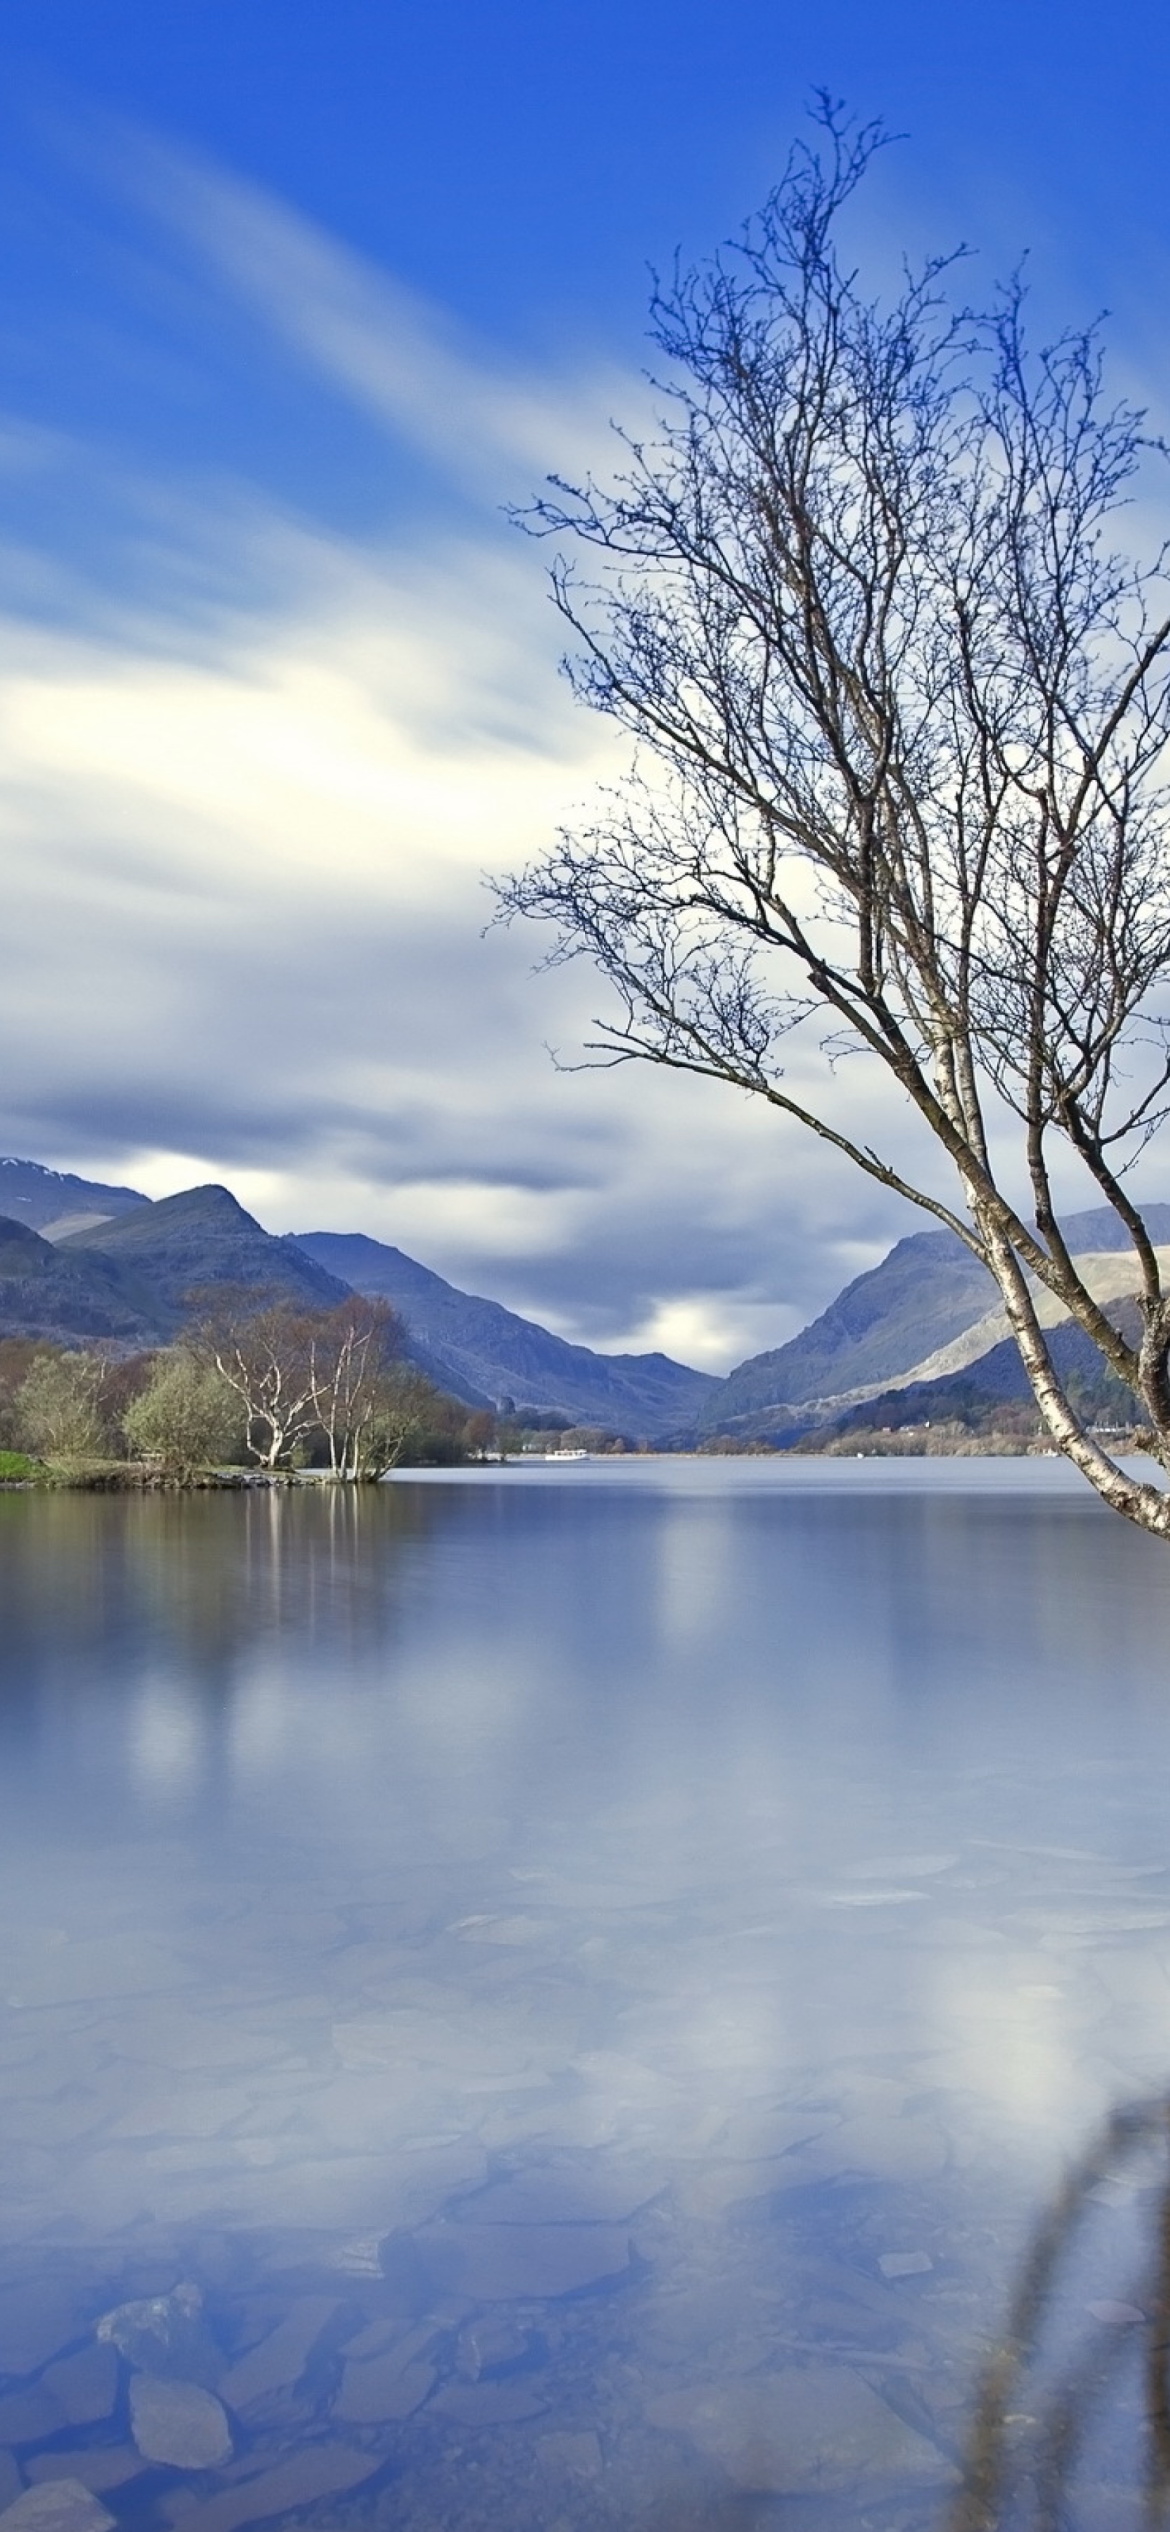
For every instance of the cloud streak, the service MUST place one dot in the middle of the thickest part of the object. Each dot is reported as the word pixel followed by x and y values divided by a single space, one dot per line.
pixel 249 793
pixel 489 427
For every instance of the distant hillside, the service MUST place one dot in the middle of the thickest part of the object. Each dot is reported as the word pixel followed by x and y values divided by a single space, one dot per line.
pixel 926 1292
pixel 920 1336
pixel 68 1300
pixel 929 1295
pixel 121 1268
pixel 478 1342
pixel 202 1237
pixel 53 1201
pixel 996 1379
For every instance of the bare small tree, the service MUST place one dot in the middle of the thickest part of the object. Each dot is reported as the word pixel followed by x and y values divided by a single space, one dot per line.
pixel 353 1348
pixel 263 1351
pixel 901 701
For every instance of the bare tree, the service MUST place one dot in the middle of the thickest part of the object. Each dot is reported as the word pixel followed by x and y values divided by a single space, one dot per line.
pixel 353 1348
pixel 304 1376
pixel 264 1352
pixel 900 698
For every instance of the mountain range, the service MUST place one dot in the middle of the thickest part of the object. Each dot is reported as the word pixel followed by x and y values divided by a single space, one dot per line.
pixel 81 1262
pixel 920 1337
pixel 924 1336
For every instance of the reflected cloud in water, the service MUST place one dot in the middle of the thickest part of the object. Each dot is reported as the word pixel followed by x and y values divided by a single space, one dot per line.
pixel 678 1918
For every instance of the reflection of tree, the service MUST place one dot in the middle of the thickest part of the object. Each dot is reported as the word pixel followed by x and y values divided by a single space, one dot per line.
pixel 1044 2388
pixel 197 1586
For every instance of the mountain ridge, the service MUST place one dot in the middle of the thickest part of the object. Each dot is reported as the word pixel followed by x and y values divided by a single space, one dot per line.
pixel 882 1333
pixel 121 1268
pixel 920 1333
pixel 514 1358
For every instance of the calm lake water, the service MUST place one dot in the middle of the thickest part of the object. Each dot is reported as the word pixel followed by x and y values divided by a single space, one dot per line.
pixel 582 1978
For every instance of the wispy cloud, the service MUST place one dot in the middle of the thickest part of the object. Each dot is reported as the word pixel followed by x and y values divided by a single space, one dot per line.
pixel 249 789
pixel 489 426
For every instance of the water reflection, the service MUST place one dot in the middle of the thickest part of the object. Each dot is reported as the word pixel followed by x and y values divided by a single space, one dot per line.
pixel 589 1980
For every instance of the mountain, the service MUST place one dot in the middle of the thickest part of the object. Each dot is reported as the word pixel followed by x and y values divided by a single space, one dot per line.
pixel 165 1252
pixel 922 1335
pixel 68 1299
pixel 478 1343
pixel 121 1268
pixel 54 1202
pixel 995 1379
pixel 929 1315
pixel 927 1291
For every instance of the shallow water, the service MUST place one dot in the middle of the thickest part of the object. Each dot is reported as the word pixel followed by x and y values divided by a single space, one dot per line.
pixel 590 1972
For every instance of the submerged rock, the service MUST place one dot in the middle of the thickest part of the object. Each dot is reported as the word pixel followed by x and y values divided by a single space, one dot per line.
pixel 178 2422
pixel 567 2456
pixel 802 2432
pixel 35 2321
pixel 27 2416
pixel 494 2348
pixel 501 2263
pixel 280 2359
pixel 99 2466
pixel 905 2264
pixel 321 2470
pixel 165 2335
pixel 491 2403
pixel 59 2505
pixel 385 2387
pixel 86 2385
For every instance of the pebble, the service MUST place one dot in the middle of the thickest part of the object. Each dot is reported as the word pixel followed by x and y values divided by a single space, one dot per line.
pixel 179 2423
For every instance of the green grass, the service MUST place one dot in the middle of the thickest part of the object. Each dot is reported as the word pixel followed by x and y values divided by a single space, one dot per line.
pixel 18 1464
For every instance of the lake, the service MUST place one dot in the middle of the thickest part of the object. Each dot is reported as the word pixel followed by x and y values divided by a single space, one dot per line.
pixel 553 1997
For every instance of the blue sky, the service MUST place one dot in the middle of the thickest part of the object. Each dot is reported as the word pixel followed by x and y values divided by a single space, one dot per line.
pixel 292 301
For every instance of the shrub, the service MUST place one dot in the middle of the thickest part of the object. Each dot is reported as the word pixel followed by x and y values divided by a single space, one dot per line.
pixel 58 1409
pixel 185 1417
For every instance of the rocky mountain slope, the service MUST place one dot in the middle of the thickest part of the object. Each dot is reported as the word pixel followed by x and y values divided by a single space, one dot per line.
pixel 926 1292
pixel 54 1202
pixel 194 1241
pixel 926 1321
pixel 479 1343
pixel 70 1300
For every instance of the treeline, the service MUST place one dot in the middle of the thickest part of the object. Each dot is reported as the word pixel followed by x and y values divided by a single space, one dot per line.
pixel 252 1382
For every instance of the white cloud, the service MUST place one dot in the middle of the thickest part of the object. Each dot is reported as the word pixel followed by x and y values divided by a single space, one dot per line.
pixel 246 822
